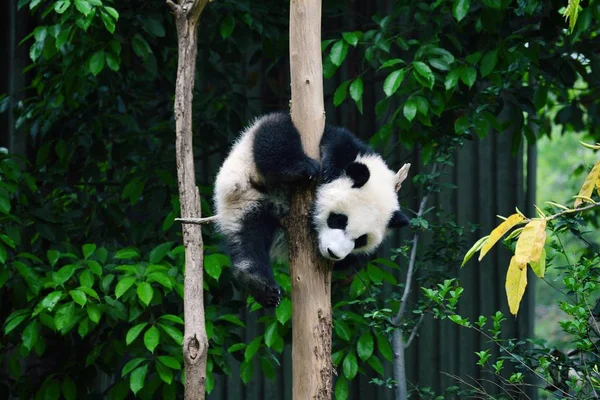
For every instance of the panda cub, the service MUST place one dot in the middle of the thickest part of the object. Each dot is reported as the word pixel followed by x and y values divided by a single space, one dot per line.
pixel 355 200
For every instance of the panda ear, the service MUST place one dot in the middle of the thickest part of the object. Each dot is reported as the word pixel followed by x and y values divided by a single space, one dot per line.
pixel 359 173
pixel 398 220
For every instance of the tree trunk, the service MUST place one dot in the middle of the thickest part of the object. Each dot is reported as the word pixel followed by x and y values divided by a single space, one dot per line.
pixel 195 344
pixel 310 274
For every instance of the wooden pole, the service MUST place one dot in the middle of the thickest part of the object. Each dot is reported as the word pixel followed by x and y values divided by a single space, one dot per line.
pixel 195 344
pixel 310 274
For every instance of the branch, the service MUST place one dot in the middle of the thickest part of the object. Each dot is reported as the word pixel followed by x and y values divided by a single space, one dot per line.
pixel 411 263
pixel 572 210
pixel 414 331
pixel 198 221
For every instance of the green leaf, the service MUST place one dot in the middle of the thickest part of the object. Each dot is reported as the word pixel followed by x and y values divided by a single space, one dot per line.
pixel 246 371
pixel 48 303
pixel 338 52
pixel 356 89
pixel 112 12
pixel 252 348
pixel 88 250
pixel 391 63
pixel 271 334
pixel 340 94
pixel 284 311
pixel 424 71
pixel 69 390
pixel 451 79
pixel 94 313
pixel 61 6
pixel 134 332
pixel 170 362
pixel 461 125
pixel 113 62
pixel 341 388
pixel 468 75
pixel 233 319
pixel 31 278
pixel 393 82
pixel 95 267
pixel 145 292
pixel 236 347
pixel 86 279
pixel 131 365
pixel 126 254
pixel 4 205
pixel 159 252
pixel 123 285
pixel 84 327
pixel 488 63
pixel 173 333
pixel 31 335
pixel 384 347
pixel 109 22
pixel 410 108
pixel 3 255
pixel 83 7
pixel 213 265
pixel 460 9
pixel 166 374
pixel 152 338
pixel 64 318
pixel 482 126
pixel 90 292
pixel 375 363
pixel 365 346
pixel 63 274
pixel 350 366
pixel 161 278
pixel 137 378
pixel 342 330
pixel 172 318
pixel 352 37
pixel 13 323
pixel 78 297
pixel 227 26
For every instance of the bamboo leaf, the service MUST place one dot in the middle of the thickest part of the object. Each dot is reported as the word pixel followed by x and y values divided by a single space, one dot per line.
pixel 516 281
pixel 474 249
pixel 499 231
pixel 588 185
pixel 531 243
pixel 539 266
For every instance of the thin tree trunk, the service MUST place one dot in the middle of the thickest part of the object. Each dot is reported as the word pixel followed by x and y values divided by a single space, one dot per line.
pixel 310 274
pixel 195 344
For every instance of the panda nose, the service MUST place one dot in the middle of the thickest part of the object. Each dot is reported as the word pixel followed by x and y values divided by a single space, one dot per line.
pixel 332 254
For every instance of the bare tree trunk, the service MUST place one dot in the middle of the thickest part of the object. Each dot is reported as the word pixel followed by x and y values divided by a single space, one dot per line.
pixel 195 344
pixel 310 274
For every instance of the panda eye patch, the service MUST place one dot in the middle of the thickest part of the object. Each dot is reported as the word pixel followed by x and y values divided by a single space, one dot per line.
pixel 361 241
pixel 337 221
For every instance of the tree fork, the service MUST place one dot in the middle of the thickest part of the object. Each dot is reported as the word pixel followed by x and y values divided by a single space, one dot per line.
pixel 195 343
pixel 310 274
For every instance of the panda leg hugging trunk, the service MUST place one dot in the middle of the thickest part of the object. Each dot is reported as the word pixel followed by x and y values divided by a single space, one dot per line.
pixel 355 203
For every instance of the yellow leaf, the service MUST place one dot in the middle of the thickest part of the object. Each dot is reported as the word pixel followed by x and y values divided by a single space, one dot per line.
pixel 499 231
pixel 532 240
pixel 516 281
pixel 474 249
pixel 539 266
pixel 590 146
pixel 588 185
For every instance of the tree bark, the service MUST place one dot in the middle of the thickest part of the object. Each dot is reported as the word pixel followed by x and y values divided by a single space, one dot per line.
pixel 195 344
pixel 310 274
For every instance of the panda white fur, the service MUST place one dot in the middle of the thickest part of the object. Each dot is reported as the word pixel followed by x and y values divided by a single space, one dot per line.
pixel 355 201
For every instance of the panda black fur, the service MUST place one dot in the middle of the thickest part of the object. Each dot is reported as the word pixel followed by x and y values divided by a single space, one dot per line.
pixel 355 201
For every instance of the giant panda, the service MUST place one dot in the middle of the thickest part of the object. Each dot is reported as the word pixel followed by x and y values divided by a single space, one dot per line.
pixel 355 201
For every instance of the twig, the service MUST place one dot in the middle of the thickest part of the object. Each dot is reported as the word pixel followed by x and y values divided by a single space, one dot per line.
pixel 198 221
pixel 413 258
pixel 572 210
pixel 414 331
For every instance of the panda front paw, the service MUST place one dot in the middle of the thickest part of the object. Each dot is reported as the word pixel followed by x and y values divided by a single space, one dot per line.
pixel 311 169
pixel 269 297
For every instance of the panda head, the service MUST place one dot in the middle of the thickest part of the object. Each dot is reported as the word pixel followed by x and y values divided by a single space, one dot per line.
pixel 352 213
